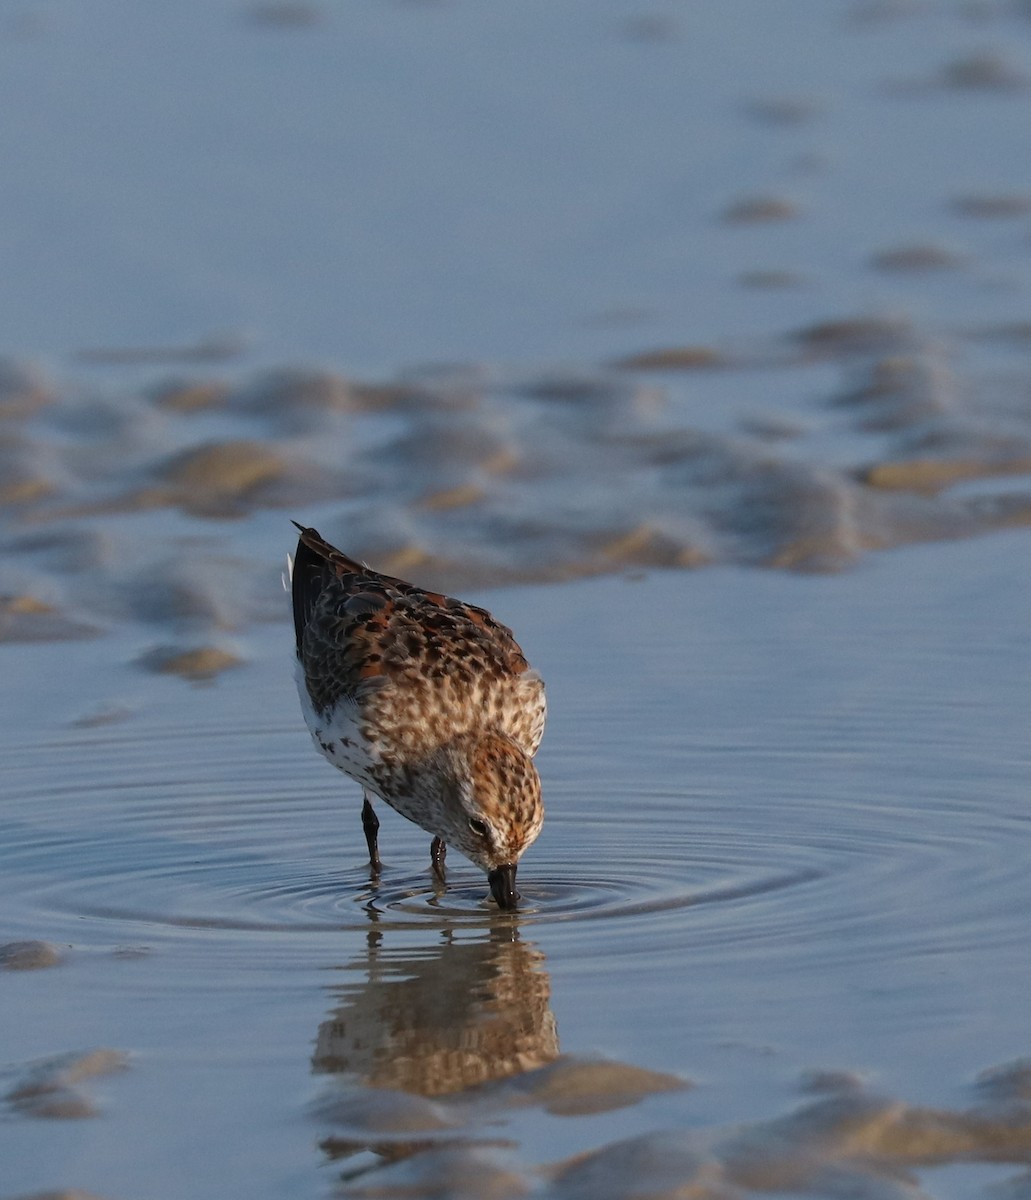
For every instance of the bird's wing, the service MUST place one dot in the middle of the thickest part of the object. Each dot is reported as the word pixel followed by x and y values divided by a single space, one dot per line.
pixel 357 628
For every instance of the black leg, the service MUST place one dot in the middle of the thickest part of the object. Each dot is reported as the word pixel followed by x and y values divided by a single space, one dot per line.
pixel 438 852
pixel 370 823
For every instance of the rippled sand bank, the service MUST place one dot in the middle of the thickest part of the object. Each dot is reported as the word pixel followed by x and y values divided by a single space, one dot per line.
pixel 161 504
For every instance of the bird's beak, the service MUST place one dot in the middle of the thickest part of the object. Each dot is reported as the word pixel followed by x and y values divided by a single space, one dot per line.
pixel 502 885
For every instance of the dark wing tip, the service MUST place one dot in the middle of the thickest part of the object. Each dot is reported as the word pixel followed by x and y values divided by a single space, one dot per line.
pixel 316 563
pixel 310 574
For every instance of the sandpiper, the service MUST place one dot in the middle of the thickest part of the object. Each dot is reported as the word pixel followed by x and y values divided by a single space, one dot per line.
pixel 427 702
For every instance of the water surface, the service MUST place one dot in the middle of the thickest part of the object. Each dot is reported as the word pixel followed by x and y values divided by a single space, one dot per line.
pixel 786 834
pixel 706 326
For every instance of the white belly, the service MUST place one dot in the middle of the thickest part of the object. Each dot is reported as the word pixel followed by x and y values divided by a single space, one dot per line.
pixel 337 735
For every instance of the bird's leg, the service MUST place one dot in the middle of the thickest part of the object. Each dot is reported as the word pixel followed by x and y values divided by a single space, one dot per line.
pixel 438 852
pixel 370 823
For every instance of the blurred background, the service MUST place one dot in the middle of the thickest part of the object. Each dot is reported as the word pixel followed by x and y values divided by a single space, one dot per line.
pixel 372 186
pixel 504 293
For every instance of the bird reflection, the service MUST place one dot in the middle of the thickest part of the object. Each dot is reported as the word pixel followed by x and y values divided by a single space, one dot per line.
pixel 423 1023
pixel 439 1019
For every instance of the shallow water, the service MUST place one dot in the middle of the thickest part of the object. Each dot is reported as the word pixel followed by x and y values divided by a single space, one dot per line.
pixel 786 834
pixel 579 291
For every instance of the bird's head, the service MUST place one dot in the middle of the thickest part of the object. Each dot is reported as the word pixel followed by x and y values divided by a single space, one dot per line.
pixel 493 807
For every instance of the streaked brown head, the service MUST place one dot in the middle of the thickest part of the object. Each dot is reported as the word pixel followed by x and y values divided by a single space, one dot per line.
pixel 492 807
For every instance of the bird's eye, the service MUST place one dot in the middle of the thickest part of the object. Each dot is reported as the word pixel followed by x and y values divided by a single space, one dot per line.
pixel 478 827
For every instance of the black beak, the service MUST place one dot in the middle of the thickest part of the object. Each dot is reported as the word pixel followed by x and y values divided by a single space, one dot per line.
pixel 502 885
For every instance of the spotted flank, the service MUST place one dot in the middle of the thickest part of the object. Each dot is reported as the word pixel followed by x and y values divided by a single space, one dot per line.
pixel 427 702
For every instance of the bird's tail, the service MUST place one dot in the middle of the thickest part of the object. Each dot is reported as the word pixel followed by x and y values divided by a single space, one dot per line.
pixel 317 544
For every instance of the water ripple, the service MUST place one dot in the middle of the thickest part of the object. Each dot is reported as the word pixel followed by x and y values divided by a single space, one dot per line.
pixel 175 830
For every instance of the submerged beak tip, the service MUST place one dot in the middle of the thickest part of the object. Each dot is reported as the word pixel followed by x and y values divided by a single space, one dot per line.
pixel 502 886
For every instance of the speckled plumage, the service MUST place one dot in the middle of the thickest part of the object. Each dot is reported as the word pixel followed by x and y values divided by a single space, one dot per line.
pixel 426 701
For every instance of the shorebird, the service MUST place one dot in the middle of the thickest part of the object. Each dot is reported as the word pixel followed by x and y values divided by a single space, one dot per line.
pixel 427 702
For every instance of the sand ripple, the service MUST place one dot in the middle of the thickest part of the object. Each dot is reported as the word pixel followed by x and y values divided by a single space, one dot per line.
pixel 462 479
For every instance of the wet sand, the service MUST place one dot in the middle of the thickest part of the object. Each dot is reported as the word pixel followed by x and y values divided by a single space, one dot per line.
pixel 167 505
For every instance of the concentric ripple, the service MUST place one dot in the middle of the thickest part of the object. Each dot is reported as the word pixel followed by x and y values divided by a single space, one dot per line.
pixel 165 879
pixel 223 825
pixel 179 830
